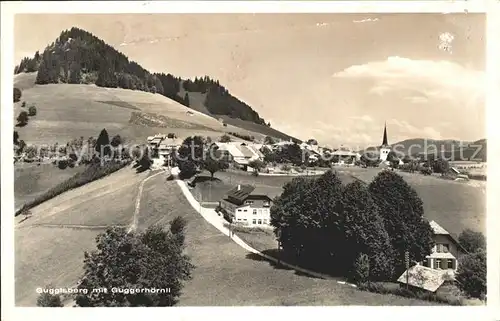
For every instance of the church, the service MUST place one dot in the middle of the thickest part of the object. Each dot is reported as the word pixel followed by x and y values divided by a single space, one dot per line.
pixel 384 148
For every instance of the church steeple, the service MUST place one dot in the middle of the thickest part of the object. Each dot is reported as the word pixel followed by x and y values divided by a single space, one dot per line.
pixel 384 139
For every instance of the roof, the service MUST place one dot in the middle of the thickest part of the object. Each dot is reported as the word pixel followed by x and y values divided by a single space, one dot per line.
pixel 438 229
pixel 171 142
pixel 424 277
pixel 245 151
pixel 242 193
pixel 248 190
pixel 343 153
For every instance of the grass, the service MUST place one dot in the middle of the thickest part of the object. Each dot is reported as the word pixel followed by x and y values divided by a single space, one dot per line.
pixel 69 111
pixel 45 255
pixel 90 173
pixel 227 275
pixel 454 205
pixel 394 288
pixel 49 245
pixel 31 180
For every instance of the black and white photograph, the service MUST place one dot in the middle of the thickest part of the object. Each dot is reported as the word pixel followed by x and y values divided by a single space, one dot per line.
pixel 247 159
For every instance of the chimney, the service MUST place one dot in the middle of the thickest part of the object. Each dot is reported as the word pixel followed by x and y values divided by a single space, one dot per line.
pixel 239 187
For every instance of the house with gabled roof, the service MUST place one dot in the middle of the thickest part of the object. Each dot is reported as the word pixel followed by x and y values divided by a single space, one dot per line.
pixel 249 205
pixel 445 252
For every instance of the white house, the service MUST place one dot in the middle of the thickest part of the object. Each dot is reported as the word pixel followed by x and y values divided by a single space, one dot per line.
pixel 446 251
pixel 239 154
pixel 248 205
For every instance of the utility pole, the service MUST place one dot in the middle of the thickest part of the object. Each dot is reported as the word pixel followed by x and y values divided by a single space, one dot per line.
pixel 407 263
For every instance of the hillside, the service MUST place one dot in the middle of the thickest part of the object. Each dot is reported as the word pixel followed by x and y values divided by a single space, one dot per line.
pixel 79 57
pixel 69 111
pixel 452 149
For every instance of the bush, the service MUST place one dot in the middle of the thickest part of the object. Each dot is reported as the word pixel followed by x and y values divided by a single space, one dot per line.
pixel 171 135
pixel 49 300
pixel 62 164
pixel 225 138
pixel 17 94
pixel 471 274
pixel 32 111
pixel 22 119
pixel 361 269
pixel 23 104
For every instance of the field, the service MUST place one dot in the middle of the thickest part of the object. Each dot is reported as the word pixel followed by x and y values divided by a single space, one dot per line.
pixel 49 245
pixel 227 275
pixel 31 180
pixel 454 205
pixel 66 112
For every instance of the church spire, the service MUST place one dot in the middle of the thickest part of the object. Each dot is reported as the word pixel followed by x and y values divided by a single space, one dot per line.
pixel 384 140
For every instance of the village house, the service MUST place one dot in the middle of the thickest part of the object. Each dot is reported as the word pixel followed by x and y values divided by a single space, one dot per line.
pixel 438 268
pixel 446 251
pixel 248 205
pixel 239 154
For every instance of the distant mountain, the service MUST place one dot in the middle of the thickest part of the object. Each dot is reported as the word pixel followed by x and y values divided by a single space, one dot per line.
pixel 450 149
pixel 79 57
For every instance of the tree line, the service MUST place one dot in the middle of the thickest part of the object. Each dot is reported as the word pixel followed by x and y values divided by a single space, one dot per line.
pixel 79 57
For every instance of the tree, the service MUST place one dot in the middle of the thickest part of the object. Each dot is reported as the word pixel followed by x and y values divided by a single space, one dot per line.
pixel 145 162
pixel 17 94
pixel 22 119
pixel 171 135
pixel 102 147
pixel 22 146
pixel 187 168
pixel 192 149
pixel 23 104
pixel 471 274
pixel 472 241
pixel 308 216
pixel 153 259
pixel 45 299
pixel 212 166
pixel 365 232
pixel 361 269
pixel 16 138
pixel 186 99
pixel 32 111
pixel 225 138
pixel 116 141
pixel 393 159
pixel 268 140
pixel 312 141
pixel 440 166
pixel 403 214
pixel 257 165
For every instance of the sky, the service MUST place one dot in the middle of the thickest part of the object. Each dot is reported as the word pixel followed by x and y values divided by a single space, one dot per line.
pixel 333 77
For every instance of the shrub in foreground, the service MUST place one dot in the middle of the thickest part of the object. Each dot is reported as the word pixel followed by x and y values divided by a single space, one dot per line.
pixel 49 300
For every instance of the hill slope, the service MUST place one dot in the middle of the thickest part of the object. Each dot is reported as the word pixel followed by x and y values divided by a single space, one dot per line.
pixel 68 111
pixel 450 149
pixel 79 57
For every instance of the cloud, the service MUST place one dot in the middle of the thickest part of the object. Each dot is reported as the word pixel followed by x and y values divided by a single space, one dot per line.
pixel 365 118
pixel 365 20
pixel 417 99
pixel 427 78
pixel 412 131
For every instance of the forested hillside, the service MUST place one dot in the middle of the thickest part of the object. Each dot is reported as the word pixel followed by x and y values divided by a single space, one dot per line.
pixel 79 57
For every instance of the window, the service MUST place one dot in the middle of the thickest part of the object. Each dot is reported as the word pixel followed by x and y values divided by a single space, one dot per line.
pixel 259 222
pixel 438 263
pixel 254 221
pixel 249 202
pixel 451 264
pixel 424 262
pixel 446 248
pixel 239 210
pixel 244 210
pixel 239 219
pixel 254 212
